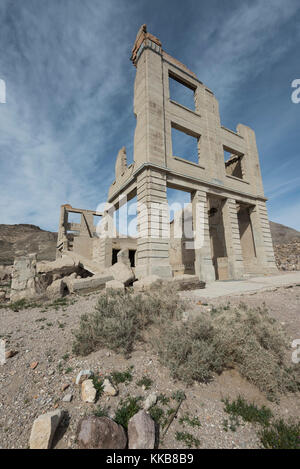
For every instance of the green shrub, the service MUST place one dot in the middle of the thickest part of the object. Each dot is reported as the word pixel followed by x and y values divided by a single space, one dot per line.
pixel 248 412
pixel 146 382
pixel 120 319
pixel 127 408
pixel 188 439
pixel 281 435
pixel 122 376
pixel 101 411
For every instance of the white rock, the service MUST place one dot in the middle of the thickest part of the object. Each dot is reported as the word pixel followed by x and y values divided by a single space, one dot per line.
pixel 43 430
pixel 150 401
pixel 108 388
pixel 88 391
pixel 67 397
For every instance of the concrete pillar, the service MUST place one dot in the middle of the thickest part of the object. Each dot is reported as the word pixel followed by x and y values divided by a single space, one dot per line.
pixel 62 240
pixel 203 259
pixel 153 225
pixel 233 241
pixel 263 238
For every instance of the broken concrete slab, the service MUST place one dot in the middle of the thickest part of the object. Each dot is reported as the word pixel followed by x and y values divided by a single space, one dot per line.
pixel 62 266
pixel 88 284
pixel 122 272
pixel 188 282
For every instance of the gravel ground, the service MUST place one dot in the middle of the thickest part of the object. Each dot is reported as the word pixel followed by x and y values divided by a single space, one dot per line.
pixel 44 335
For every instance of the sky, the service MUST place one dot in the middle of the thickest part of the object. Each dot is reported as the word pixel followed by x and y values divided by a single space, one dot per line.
pixel 69 93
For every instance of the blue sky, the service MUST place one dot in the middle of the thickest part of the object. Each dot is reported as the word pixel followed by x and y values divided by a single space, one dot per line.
pixel 69 85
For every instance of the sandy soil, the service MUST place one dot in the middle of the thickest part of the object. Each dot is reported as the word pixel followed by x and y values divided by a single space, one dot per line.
pixel 44 335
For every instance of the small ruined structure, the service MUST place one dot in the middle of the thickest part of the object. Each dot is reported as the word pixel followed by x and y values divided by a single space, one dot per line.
pixel 228 206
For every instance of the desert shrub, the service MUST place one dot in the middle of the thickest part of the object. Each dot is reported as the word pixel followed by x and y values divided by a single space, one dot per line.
pixel 281 435
pixel 249 412
pixel 127 408
pixel 122 376
pixel 241 337
pixel 121 317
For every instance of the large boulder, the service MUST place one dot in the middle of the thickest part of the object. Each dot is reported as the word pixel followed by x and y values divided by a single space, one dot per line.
pixel 100 433
pixel 141 431
pixel 122 272
pixel 43 429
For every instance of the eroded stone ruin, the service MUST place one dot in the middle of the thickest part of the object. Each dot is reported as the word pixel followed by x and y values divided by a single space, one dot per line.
pixel 228 206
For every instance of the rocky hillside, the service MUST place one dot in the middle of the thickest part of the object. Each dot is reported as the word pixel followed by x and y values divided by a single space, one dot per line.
pixel 18 240
pixel 282 234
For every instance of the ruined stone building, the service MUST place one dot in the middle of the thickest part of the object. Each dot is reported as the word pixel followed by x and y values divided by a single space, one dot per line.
pixel 235 239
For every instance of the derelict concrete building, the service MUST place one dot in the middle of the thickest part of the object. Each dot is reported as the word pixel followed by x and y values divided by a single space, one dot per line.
pixel 227 198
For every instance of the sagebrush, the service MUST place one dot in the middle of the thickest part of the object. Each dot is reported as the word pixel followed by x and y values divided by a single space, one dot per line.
pixel 244 338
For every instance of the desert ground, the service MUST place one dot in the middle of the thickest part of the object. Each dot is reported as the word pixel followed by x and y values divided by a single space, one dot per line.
pixel 36 379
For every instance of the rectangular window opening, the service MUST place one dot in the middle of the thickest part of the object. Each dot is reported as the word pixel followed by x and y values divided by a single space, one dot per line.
pixel 233 163
pixel 181 92
pixel 185 144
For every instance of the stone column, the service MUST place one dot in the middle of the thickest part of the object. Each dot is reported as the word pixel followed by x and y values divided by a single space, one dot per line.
pixel 153 225
pixel 233 240
pixel 262 237
pixel 62 240
pixel 203 260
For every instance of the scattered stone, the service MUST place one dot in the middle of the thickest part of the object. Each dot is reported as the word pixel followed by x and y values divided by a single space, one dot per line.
pixel 150 401
pixel 141 431
pixel 10 353
pixel 67 397
pixel 108 388
pixel 115 285
pixel 33 365
pixel 100 433
pixel 65 386
pixel 88 391
pixel 43 430
pixel 82 375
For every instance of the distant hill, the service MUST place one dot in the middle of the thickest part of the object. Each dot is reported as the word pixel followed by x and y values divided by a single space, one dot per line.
pixel 282 234
pixel 18 240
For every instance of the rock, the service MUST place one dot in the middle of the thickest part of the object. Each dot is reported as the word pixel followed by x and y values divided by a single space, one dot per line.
pixel 100 433
pixel 33 365
pixel 82 375
pixel 88 391
pixel 65 386
pixel 187 282
pixel 67 397
pixel 108 388
pixel 24 285
pixel 115 285
pixel 141 431
pixel 43 430
pixel 150 401
pixel 122 273
pixel 146 283
pixel 10 353
pixel 56 289
pixel 2 295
